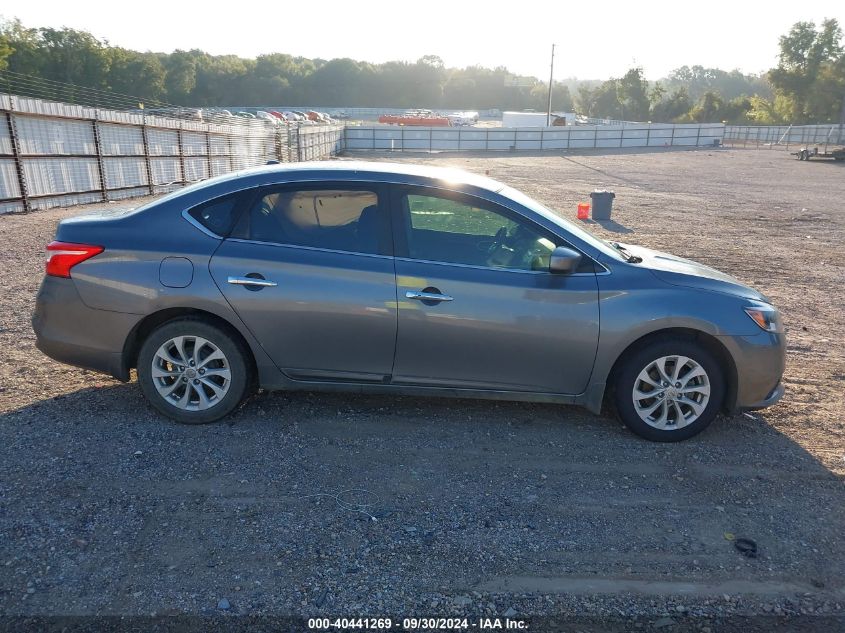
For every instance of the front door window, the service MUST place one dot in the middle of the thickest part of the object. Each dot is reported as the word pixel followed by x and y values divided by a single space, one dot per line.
pixel 456 232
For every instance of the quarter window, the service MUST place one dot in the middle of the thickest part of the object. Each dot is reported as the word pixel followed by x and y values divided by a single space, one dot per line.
pixel 452 231
pixel 336 219
pixel 219 215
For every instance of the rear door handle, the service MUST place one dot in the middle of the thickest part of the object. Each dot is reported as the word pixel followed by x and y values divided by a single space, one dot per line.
pixel 251 281
pixel 427 296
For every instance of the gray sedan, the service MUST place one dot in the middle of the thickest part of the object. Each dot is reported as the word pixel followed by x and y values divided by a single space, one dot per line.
pixel 373 277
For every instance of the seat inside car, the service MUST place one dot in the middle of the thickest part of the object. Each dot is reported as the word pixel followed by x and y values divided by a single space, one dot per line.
pixel 366 231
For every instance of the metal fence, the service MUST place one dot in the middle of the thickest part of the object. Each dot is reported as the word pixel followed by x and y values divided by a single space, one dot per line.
pixel 57 154
pixel 440 139
pixel 782 136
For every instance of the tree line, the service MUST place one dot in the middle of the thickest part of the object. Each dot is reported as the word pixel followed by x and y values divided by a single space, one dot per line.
pixel 807 85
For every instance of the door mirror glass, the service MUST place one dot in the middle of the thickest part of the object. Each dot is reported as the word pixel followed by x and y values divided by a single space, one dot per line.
pixel 564 261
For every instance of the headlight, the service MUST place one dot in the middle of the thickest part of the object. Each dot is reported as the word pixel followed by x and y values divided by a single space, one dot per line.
pixel 766 316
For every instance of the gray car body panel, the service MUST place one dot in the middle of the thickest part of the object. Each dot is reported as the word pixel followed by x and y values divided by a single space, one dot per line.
pixel 332 314
pixel 505 329
pixel 569 342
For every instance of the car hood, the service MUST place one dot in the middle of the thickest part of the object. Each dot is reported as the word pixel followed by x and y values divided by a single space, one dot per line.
pixel 687 273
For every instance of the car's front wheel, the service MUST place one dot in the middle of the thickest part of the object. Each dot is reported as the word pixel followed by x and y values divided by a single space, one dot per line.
pixel 670 390
pixel 192 371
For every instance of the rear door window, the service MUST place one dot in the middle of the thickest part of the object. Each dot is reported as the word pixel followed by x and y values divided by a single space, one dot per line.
pixel 341 219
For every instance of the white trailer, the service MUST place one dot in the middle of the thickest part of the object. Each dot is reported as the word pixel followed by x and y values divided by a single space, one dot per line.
pixel 536 119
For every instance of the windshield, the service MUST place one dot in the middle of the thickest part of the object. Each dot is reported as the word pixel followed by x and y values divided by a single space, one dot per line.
pixel 596 242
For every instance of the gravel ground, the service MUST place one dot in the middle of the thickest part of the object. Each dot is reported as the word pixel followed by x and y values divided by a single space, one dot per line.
pixel 309 504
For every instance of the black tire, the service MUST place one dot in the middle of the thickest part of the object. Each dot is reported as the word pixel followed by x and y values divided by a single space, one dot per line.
pixel 236 361
pixel 637 361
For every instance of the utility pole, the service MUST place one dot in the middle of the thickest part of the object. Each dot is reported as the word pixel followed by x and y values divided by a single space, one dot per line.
pixel 842 121
pixel 551 79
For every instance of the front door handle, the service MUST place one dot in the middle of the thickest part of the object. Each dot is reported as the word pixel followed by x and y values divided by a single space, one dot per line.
pixel 252 281
pixel 422 295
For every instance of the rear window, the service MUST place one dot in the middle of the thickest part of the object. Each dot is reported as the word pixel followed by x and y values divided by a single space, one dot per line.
pixel 217 216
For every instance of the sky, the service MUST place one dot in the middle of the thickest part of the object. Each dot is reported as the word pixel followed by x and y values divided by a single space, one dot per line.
pixel 594 40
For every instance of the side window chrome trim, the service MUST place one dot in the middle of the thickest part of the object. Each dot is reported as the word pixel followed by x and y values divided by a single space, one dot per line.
pixel 605 271
pixel 192 220
pixel 240 240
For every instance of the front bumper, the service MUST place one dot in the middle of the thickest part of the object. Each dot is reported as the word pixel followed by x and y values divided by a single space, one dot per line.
pixel 760 360
pixel 70 332
pixel 772 398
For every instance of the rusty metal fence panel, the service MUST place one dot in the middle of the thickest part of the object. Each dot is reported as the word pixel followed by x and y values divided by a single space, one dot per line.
pixel 57 154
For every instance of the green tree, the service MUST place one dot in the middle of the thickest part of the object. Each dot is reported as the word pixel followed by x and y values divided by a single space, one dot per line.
pixel 181 76
pixel 6 50
pixel 601 101
pixel 698 80
pixel 810 71
pixel 656 94
pixel 709 109
pixel 671 108
pixel 132 73
pixel 633 95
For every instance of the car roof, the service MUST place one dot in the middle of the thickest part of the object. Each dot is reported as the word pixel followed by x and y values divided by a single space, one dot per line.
pixel 380 170
pixel 401 173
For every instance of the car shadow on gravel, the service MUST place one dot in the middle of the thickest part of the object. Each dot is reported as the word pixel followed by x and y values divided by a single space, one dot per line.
pixel 327 503
pixel 610 225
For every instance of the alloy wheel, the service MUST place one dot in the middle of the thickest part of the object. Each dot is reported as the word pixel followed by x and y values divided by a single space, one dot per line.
pixel 191 373
pixel 671 392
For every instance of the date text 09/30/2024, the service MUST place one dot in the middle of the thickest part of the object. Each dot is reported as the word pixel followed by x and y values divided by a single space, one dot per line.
pixel 416 624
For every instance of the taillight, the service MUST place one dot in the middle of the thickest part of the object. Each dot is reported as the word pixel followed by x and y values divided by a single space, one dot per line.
pixel 62 256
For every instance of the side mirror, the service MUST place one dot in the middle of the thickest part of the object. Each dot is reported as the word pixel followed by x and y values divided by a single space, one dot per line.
pixel 564 261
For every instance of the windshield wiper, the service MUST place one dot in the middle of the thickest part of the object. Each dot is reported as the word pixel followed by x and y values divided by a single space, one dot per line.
pixel 632 259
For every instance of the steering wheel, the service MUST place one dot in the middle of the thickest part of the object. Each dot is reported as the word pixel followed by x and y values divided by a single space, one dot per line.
pixel 498 240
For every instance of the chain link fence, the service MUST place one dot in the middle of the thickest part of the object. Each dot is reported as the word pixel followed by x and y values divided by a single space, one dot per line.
pixel 784 136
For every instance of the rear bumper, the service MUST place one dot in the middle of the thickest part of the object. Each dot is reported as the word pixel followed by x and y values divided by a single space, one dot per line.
pixel 760 360
pixel 70 332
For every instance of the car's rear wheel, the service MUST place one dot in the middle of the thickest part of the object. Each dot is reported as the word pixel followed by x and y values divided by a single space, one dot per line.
pixel 669 391
pixel 192 371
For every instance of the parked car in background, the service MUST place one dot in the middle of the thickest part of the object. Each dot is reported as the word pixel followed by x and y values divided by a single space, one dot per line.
pixel 268 118
pixel 459 119
pixel 398 279
pixel 216 114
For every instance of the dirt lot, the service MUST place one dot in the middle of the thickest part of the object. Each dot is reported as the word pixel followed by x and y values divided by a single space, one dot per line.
pixel 447 507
